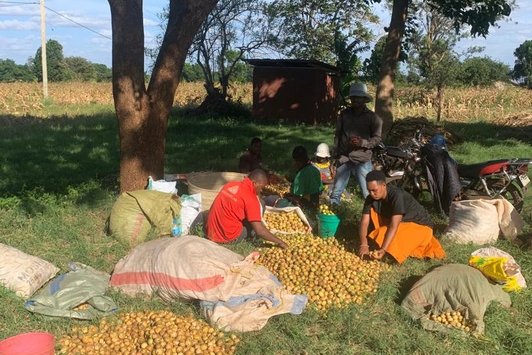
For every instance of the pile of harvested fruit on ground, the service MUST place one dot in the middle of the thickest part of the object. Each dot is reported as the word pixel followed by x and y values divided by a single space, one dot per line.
pixel 323 270
pixel 149 332
pixel 288 222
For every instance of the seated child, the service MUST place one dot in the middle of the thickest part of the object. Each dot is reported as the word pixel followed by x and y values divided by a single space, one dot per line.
pixel 323 163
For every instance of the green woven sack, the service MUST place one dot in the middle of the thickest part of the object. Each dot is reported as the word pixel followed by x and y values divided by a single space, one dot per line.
pixel 453 287
pixel 135 213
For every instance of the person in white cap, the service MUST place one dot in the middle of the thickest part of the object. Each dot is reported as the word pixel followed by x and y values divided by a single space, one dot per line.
pixel 358 130
pixel 322 161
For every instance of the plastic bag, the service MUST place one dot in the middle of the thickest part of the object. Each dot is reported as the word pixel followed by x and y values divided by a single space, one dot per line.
pixel 499 266
pixel 162 185
pixel 77 294
pixel 190 212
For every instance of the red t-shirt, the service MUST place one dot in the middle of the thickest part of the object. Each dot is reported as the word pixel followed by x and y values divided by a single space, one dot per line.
pixel 236 202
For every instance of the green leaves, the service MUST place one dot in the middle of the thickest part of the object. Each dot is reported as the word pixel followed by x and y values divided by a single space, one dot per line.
pixel 523 64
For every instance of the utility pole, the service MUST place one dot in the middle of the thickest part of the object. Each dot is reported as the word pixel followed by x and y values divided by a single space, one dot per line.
pixel 43 51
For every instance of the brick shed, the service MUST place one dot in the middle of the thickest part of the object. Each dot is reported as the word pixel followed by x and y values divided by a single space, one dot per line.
pixel 298 91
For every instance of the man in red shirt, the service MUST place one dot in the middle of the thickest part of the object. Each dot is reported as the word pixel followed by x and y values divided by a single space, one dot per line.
pixel 236 206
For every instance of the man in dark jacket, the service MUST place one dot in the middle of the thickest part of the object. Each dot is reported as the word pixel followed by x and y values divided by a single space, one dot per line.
pixel 358 130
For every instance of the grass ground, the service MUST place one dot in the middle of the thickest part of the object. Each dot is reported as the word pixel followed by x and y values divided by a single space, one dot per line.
pixel 58 183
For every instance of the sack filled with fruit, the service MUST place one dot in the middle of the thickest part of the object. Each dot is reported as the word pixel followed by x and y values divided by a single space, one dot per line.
pixel 453 296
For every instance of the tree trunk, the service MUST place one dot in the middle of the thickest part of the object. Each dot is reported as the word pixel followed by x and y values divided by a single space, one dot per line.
pixel 439 99
pixel 143 113
pixel 392 49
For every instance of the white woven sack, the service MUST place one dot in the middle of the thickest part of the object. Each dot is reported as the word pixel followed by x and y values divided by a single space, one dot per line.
pixel 22 273
pixel 473 221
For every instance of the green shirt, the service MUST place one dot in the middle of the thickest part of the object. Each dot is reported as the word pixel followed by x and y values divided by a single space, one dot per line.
pixel 307 181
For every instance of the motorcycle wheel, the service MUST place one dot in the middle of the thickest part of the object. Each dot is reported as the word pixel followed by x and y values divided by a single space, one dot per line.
pixel 513 193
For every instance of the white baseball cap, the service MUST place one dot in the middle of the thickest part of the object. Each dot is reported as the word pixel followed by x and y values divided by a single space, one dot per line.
pixel 322 151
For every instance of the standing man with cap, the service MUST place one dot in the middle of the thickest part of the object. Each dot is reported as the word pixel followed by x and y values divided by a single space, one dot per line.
pixel 358 130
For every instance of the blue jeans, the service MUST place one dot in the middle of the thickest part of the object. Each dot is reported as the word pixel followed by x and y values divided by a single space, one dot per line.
pixel 344 172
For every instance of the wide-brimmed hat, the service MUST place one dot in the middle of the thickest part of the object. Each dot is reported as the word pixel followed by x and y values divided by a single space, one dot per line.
pixel 360 90
pixel 322 151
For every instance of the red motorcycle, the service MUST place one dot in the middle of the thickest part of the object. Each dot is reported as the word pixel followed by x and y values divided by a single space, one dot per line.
pixel 506 177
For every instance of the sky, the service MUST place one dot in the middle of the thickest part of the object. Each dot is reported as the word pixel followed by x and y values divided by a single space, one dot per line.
pixel 83 27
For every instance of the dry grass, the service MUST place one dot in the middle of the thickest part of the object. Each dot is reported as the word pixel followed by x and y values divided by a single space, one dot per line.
pixel 26 98
pixel 498 103
pixel 465 104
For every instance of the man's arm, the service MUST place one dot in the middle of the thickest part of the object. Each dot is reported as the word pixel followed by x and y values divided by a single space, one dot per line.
pixel 337 134
pixel 376 134
pixel 265 234
pixel 363 234
pixel 389 236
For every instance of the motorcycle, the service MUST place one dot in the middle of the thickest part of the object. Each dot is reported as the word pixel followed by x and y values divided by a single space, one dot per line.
pixel 406 166
pixel 402 165
pixel 495 178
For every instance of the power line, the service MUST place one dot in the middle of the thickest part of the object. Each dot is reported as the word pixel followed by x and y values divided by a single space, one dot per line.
pixel 19 2
pixel 77 23
pixel 57 13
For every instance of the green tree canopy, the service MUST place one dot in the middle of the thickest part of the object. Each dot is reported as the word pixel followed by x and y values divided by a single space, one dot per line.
pixel 483 71
pixel 523 64
pixel 103 72
pixel 12 72
pixel 79 69
pixel 192 72
pixel 55 62
pixel 372 65
pixel 332 31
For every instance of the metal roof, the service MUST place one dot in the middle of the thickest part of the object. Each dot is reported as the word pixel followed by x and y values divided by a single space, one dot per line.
pixel 292 63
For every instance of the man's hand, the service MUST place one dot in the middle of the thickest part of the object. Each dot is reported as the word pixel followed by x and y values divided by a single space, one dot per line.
pixel 356 140
pixel 282 245
pixel 363 250
pixel 378 254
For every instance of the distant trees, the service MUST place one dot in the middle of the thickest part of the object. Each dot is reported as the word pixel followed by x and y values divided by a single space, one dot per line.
pixel 522 71
pixel 483 71
pixel 55 62
pixel 432 53
pixel 12 72
pixel 60 68
pixel 479 15
pixel 332 31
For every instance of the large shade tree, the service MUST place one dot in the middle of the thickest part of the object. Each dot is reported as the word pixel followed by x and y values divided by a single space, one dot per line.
pixel 143 111
pixel 480 15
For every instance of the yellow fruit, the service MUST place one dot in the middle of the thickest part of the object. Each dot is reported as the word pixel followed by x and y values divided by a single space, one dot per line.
pixel 453 319
pixel 323 270
pixel 149 332
pixel 276 189
pixel 288 222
